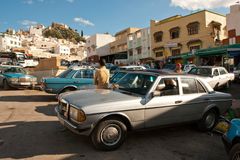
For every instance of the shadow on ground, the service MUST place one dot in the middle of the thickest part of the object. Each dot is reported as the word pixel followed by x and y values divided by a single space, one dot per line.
pixel 28 98
pixel 48 110
pixel 30 139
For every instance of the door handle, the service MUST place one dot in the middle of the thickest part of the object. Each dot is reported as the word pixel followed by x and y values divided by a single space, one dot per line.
pixel 177 102
pixel 206 99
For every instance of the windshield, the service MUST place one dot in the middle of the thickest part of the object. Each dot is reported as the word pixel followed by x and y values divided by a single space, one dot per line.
pixel 65 73
pixel 14 70
pixel 201 71
pixel 117 76
pixel 136 83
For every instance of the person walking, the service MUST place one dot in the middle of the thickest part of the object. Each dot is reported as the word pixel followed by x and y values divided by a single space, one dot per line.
pixel 102 75
pixel 178 68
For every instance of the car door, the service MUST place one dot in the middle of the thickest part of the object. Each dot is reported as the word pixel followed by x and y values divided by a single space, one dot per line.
pixel 194 99
pixel 223 76
pixel 83 78
pixel 162 109
pixel 215 79
pixel 1 76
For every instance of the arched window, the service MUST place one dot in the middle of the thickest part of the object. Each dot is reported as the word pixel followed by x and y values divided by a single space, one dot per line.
pixel 158 36
pixel 193 28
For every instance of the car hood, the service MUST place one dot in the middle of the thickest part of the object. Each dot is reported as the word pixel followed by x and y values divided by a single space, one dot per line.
pixel 17 75
pixel 100 100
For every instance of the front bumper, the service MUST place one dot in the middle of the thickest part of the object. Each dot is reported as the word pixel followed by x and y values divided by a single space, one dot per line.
pixel 22 84
pixel 227 143
pixel 81 130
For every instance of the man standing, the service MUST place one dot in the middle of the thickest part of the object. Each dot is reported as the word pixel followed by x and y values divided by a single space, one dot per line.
pixel 178 68
pixel 102 76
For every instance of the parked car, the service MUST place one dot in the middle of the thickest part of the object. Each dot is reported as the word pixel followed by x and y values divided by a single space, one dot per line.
pixel 132 67
pixel 188 67
pixel 72 79
pixel 140 100
pixel 231 140
pixel 237 72
pixel 15 77
pixel 216 76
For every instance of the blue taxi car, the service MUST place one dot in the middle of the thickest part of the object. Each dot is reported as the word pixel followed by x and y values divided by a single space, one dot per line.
pixel 15 77
pixel 72 79
pixel 231 140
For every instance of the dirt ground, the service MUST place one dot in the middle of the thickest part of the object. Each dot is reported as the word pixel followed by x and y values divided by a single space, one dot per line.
pixel 29 129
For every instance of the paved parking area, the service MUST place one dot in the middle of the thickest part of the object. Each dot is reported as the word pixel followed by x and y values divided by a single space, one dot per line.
pixel 29 129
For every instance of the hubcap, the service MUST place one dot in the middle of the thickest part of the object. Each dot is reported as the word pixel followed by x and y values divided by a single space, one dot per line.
pixel 111 134
pixel 236 156
pixel 210 120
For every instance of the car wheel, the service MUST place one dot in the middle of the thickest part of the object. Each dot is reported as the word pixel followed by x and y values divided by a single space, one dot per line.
pixel 208 121
pixel 5 85
pixel 109 135
pixel 234 153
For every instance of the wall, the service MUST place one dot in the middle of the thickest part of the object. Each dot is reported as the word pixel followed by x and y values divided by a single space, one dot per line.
pixel 233 19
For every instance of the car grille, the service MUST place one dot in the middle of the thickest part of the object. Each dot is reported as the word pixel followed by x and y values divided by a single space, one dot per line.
pixel 63 108
pixel 24 79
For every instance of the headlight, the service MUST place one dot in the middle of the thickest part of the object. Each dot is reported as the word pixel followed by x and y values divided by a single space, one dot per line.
pixel 76 114
pixel 13 80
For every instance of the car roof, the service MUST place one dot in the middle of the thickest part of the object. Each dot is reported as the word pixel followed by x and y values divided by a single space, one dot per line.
pixel 9 66
pixel 81 67
pixel 130 66
pixel 210 67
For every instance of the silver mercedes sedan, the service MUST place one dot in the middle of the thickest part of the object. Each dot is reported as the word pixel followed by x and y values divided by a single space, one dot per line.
pixel 140 100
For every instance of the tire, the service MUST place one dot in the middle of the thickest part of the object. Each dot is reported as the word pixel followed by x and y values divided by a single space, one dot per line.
pixel 234 153
pixel 5 85
pixel 67 90
pixel 109 135
pixel 208 121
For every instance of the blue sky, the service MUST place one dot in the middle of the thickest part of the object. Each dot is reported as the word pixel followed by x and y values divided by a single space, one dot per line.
pixel 98 16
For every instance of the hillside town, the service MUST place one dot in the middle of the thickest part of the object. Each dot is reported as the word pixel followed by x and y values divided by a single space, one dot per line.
pixel 167 91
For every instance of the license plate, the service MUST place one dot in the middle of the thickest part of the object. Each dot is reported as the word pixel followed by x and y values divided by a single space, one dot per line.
pixel 25 83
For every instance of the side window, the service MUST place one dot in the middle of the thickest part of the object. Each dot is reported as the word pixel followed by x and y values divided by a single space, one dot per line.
pixel 168 87
pixel 84 74
pixel 215 72
pixel 200 88
pixel 189 86
pixel 79 74
pixel 222 71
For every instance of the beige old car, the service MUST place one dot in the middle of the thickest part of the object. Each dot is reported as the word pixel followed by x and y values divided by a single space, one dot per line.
pixel 141 100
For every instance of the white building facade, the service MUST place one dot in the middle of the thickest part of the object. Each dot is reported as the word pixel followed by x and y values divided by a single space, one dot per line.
pixel 98 45
pixel 62 50
pixel 7 42
pixel 233 24
pixel 139 46
pixel 36 30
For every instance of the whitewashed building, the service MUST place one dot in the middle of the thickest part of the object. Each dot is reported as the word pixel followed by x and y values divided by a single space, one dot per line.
pixel 98 45
pixel 139 46
pixel 7 42
pixel 233 24
pixel 36 30
pixel 62 50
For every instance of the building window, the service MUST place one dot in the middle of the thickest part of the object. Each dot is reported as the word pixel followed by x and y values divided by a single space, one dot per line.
pixel 11 42
pixel 139 50
pixel 194 48
pixel 176 52
pixel 159 54
pixel 158 36
pixel 130 52
pixel 174 32
pixel 193 28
